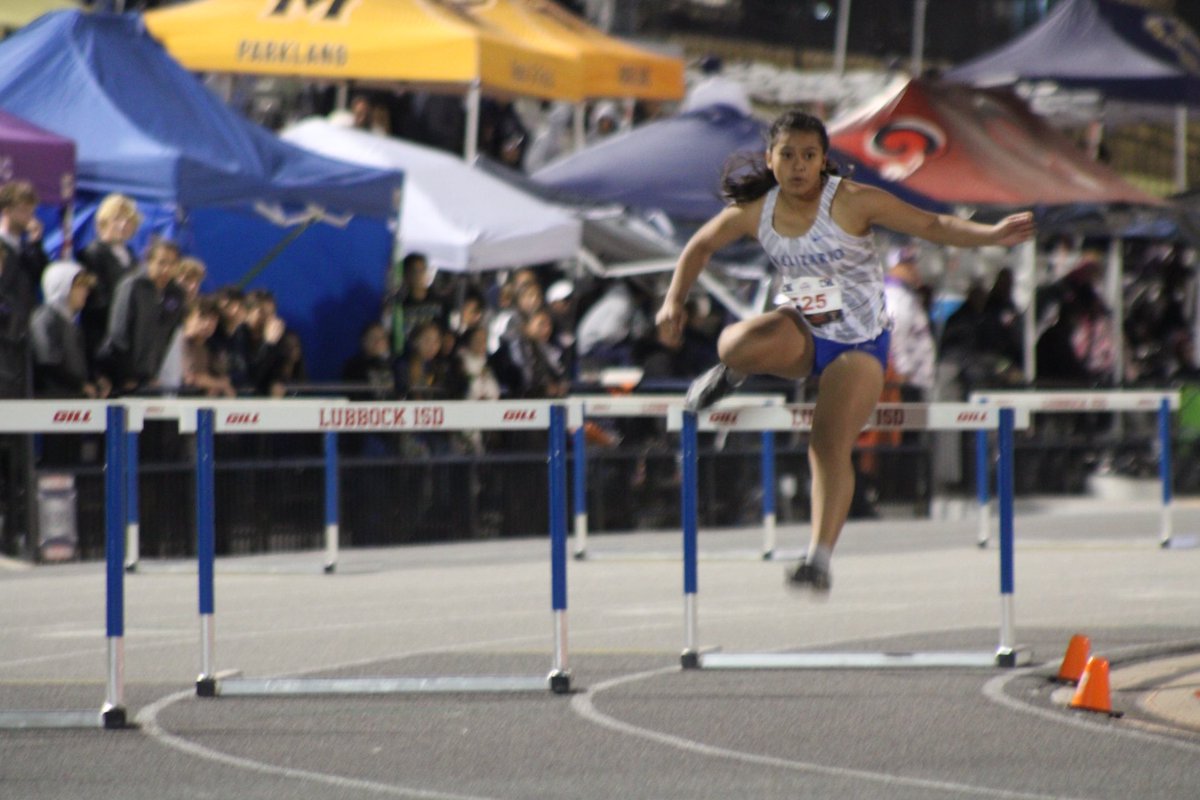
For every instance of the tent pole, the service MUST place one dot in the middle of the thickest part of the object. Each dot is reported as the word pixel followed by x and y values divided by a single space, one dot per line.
pixel 1113 296
pixel 843 34
pixel 1027 263
pixel 471 138
pixel 579 124
pixel 342 100
pixel 1181 125
pixel 917 65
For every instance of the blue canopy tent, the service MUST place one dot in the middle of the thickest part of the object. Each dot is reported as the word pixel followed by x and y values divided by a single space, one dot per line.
pixel 146 127
pixel 1120 49
pixel 675 165
pixel 1125 52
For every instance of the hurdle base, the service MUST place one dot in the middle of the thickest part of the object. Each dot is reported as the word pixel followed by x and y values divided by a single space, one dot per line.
pixel 113 718
pixel 206 686
pixel 262 687
pixel 690 659
pixel 848 660
pixel 131 567
pixel 768 555
pixel 330 569
pixel 560 681
pixel 580 555
pixel 1010 657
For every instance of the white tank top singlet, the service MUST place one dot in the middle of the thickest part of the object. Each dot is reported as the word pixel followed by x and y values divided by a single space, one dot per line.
pixel 833 278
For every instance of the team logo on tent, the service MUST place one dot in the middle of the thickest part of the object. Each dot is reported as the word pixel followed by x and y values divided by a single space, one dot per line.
pixel 1176 37
pixel 315 9
pixel 900 147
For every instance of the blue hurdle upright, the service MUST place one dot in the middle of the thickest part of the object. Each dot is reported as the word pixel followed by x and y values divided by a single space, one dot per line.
pixel 649 406
pixel 1160 402
pixel 66 417
pixel 892 416
pixel 265 417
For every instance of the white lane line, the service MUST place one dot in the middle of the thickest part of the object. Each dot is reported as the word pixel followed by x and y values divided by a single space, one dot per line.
pixel 148 719
pixel 993 690
pixel 582 705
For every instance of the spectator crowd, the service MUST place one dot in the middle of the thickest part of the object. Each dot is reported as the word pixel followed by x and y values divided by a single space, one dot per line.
pixel 113 322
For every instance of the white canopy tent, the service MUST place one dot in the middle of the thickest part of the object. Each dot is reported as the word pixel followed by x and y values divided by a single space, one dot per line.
pixel 461 218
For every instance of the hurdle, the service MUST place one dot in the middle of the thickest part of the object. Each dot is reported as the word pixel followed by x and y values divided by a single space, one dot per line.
pixel 400 417
pixel 889 416
pixel 584 407
pixel 1161 402
pixel 182 411
pixel 87 416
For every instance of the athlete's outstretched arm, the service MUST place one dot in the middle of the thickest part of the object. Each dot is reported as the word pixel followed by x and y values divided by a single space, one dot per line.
pixel 731 224
pixel 874 206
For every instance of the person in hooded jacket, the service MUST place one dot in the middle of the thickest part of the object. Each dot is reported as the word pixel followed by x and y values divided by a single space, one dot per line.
pixel 60 362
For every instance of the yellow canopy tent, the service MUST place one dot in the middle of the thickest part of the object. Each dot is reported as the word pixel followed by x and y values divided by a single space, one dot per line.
pixel 611 67
pixel 18 13
pixel 425 42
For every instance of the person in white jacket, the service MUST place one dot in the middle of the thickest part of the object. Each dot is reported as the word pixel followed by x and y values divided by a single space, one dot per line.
pixel 912 353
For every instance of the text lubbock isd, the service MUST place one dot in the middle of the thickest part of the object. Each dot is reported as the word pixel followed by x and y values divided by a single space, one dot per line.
pixel 383 417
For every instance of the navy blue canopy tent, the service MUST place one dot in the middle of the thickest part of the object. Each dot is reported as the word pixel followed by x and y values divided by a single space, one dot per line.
pixel 675 165
pixel 146 127
pixel 1122 50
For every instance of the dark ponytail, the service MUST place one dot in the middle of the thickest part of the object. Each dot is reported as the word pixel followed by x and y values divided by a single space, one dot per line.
pixel 746 176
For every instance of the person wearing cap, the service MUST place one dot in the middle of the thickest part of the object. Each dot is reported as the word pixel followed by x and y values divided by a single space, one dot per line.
pixel 60 362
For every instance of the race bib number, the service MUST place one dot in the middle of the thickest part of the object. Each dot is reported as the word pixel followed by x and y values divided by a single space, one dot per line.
pixel 819 299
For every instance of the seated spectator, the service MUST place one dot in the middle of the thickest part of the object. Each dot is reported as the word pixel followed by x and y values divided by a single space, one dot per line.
pixel 670 355
pixel 291 366
pixel 60 363
pixel 560 301
pixel 417 304
pixel 538 361
pixel 188 276
pixel 482 384
pixel 230 344
pixel 198 372
pixel 473 355
pixel 607 330
pixel 371 365
pixel 265 330
pixel 423 373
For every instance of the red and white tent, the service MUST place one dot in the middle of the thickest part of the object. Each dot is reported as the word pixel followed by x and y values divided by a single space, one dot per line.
pixel 980 147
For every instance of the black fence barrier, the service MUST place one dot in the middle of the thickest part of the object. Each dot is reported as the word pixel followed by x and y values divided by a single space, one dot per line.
pixel 397 490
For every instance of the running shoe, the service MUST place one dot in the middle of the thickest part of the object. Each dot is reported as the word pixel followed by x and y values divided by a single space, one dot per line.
pixel 708 388
pixel 808 576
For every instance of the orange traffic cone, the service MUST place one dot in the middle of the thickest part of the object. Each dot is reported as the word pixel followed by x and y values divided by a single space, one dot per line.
pixel 1075 659
pixel 1092 693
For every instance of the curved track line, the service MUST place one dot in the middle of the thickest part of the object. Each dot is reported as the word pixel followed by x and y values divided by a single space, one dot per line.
pixel 993 690
pixel 148 719
pixel 582 705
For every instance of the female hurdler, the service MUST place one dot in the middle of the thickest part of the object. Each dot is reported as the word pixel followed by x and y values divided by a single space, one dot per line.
pixel 816 229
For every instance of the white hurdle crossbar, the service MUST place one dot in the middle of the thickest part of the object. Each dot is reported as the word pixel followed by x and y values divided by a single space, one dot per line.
pixel 1159 401
pixel 71 417
pixel 400 417
pixel 891 416
pixel 584 407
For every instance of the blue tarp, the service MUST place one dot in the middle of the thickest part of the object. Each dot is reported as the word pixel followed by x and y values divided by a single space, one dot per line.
pixel 674 165
pixel 146 127
pixel 1119 49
